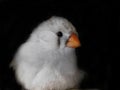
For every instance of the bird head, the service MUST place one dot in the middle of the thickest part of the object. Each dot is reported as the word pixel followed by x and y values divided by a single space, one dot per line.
pixel 56 32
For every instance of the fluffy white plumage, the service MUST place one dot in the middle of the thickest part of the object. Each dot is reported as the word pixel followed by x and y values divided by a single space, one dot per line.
pixel 44 62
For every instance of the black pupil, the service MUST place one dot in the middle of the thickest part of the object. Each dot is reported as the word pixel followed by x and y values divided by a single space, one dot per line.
pixel 59 34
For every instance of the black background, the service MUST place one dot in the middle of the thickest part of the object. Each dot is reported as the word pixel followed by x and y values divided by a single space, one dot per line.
pixel 97 23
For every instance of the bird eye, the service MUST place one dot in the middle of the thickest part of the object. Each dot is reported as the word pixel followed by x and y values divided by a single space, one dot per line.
pixel 59 34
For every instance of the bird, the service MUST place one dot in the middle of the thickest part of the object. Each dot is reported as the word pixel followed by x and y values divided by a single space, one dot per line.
pixel 47 60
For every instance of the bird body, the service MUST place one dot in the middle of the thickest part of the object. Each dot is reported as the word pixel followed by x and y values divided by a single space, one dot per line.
pixel 45 61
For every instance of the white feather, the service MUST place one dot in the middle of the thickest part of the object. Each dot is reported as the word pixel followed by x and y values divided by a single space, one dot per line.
pixel 41 64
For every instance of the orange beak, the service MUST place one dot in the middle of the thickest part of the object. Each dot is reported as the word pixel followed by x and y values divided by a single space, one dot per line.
pixel 73 41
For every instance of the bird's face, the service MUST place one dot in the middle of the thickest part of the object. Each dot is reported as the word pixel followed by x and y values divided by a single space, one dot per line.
pixel 57 33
